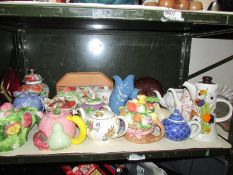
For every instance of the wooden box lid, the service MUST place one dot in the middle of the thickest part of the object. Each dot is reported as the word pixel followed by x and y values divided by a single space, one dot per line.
pixel 74 79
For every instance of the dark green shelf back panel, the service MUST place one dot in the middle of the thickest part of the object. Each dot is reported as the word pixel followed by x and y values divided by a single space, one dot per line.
pixel 56 52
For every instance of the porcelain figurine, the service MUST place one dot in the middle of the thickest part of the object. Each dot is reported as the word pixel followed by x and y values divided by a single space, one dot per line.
pixel 34 83
pixel 123 91
pixel 176 128
pixel 15 125
pixel 142 117
pixel 204 95
pixel 27 99
pixel 103 125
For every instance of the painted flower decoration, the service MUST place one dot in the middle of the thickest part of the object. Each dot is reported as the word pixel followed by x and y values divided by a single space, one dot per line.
pixel 202 92
pixel 199 102
pixel 13 128
pixel 27 120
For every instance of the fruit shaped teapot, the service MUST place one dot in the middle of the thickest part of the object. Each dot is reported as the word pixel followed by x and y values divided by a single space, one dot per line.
pixel 104 125
pixel 66 126
pixel 176 128
pixel 34 83
pixel 177 99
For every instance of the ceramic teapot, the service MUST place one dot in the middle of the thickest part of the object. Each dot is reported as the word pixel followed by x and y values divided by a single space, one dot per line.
pixel 26 99
pixel 57 130
pixel 103 125
pixel 204 95
pixel 176 128
pixel 143 120
pixel 91 105
pixel 177 99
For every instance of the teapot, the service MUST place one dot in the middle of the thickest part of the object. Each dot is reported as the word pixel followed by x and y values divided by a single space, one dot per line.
pixel 91 105
pixel 176 128
pixel 26 99
pixel 55 126
pixel 204 95
pixel 103 125
pixel 177 99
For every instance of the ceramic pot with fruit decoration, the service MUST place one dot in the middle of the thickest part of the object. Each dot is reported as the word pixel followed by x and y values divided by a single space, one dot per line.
pixel 15 125
pixel 34 83
pixel 144 125
pixel 57 130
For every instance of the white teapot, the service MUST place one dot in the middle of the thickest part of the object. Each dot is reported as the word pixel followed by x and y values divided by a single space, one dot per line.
pixel 103 125
pixel 177 99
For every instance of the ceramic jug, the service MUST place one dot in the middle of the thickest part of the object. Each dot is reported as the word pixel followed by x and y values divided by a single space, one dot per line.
pixel 103 125
pixel 204 95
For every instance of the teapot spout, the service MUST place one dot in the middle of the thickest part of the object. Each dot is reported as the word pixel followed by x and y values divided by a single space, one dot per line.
pixel 161 99
pixel 191 88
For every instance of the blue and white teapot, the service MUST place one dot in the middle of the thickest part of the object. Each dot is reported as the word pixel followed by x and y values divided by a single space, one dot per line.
pixel 26 99
pixel 177 129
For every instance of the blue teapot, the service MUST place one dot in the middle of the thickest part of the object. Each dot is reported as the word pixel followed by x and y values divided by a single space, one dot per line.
pixel 26 99
pixel 177 129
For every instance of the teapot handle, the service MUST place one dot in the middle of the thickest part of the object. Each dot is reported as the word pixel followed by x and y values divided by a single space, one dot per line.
pixel 198 129
pixel 228 115
pixel 82 129
pixel 121 129
pixel 158 123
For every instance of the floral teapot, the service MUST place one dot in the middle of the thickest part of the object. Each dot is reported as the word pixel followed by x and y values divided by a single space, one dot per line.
pixel 177 99
pixel 104 125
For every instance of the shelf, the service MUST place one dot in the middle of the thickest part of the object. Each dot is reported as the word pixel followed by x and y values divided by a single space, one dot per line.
pixel 138 17
pixel 116 149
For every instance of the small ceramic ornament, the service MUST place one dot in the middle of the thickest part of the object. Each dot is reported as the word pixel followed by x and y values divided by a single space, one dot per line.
pixel 15 125
pixel 34 83
pixel 123 91
pixel 58 138
pixel 176 128
pixel 28 99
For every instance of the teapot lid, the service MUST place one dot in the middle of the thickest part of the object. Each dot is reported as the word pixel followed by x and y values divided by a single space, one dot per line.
pixel 101 114
pixel 32 77
pixel 176 116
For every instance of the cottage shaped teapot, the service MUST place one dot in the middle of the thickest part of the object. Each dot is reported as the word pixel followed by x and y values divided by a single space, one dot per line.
pixel 104 125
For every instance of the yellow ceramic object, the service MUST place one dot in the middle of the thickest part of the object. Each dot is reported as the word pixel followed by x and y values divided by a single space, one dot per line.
pixel 82 129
